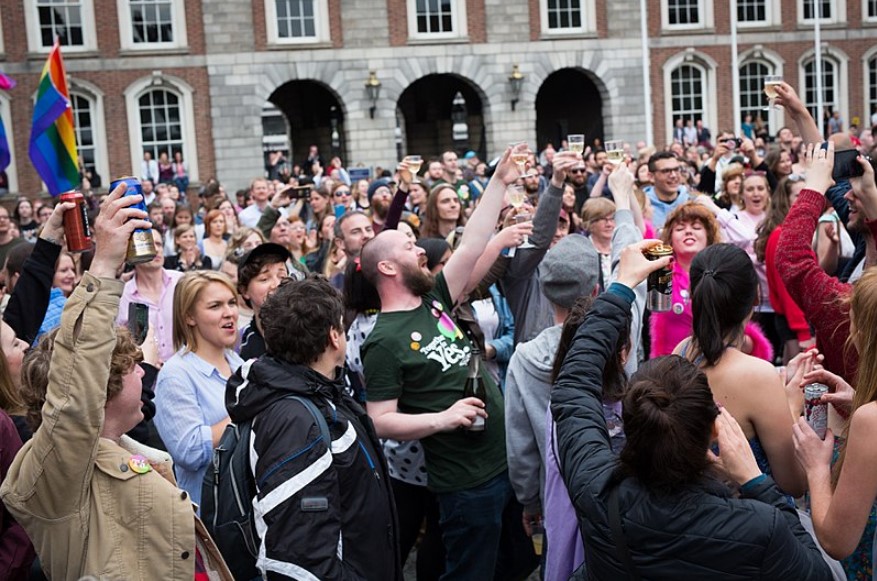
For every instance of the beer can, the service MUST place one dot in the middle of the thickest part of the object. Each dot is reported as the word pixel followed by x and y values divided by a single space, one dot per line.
pixel 77 230
pixel 815 412
pixel 141 245
pixel 660 283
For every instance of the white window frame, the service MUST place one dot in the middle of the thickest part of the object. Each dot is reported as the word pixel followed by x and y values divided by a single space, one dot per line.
pixel 98 125
pixel 126 36
pixel 321 25
pixel 838 15
pixel 34 36
pixel 710 102
pixel 187 118
pixel 6 115
pixel 870 55
pixel 2 51
pixel 458 23
pixel 588 14
pixel 705 10
pixel 841 63
pixel 776 65
pixel 865 16
pixel 772 15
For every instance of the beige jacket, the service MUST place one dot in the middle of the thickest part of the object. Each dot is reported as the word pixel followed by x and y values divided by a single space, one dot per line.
pixel 86 510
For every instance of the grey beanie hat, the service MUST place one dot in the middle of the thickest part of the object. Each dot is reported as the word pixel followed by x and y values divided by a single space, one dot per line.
pixel 569 270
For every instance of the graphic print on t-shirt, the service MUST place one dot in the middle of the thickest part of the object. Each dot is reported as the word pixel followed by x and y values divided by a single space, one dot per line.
pixel 443 348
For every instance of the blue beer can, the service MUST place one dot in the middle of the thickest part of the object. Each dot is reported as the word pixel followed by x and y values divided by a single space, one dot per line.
pixel 141 245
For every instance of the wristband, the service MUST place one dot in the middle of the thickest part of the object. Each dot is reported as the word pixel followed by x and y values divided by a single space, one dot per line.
pixel 749 485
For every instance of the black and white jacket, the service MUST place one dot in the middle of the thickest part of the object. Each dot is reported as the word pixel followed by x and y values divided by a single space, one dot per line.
pixel 323 510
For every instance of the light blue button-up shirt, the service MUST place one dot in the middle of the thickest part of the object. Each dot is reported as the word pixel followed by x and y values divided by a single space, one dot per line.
pixel 189 398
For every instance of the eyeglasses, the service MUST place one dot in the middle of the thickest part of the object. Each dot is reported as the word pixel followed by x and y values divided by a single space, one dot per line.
pixel 341 193
pixel 577 170
pixel 669 170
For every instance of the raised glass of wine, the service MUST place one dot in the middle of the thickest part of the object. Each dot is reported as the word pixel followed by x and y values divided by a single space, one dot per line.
pixel 615 151
pixel 576 142
pixel 770 89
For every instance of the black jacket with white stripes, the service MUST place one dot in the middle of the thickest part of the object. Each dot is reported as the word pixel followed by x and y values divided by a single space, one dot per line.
pixel 320 513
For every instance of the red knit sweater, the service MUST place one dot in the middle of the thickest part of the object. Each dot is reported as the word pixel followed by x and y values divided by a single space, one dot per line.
pixel 820 296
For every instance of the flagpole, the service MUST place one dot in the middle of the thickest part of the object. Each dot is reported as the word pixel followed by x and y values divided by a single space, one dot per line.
pixel 735 70
pixel 647 82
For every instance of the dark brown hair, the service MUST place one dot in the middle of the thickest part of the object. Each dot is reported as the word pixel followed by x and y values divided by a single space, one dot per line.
pixel 668 414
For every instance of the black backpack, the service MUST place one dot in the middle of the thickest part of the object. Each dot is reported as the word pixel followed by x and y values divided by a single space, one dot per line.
pixel 228 491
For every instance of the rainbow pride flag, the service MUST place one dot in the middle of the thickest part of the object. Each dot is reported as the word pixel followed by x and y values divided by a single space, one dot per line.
pixel 6 83
pixel 52 141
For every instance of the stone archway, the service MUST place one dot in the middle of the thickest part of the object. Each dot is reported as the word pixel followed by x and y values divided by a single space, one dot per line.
pixel 568 101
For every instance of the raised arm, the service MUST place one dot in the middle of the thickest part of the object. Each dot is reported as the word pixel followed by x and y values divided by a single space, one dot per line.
pixel 788 99
pixel 30 297
pixel 480 227
pixel 62 451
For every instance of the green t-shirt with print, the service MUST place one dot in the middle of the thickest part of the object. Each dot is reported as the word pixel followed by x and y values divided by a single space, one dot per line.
pixel 421 358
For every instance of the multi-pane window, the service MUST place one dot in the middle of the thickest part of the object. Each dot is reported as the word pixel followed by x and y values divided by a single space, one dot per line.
pixel 563 14
pixel 754 11
pixel 830 87
pixel 687 93
pixel 61 19
pixel 871 9
pixel 161 127
pixel 683 12
pixel 810 7
pixel 435 16
pixel 152 21
pixel 752 97
pixel 83 121
pixel 296 19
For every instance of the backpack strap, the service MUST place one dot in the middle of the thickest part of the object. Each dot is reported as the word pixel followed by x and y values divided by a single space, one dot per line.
pixel 318 416
pixel 618 534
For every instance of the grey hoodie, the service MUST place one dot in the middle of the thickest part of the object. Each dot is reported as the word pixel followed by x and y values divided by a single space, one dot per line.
pixel 527 392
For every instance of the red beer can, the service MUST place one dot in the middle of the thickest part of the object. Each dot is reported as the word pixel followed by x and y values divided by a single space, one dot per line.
pixel 77 230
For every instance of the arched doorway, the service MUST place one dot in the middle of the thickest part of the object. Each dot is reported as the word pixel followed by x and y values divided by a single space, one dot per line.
pixel 441 112
pixel 568 102
pixel 313 115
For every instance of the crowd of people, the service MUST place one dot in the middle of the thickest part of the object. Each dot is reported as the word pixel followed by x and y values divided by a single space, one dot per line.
pixel 459 360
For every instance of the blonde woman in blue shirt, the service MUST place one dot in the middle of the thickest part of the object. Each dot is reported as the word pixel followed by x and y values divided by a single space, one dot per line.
pixel 190 390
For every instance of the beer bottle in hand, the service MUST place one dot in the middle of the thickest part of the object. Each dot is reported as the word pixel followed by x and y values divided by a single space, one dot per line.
pixel 475 388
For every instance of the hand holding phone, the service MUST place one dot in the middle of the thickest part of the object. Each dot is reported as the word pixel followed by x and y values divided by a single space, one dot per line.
pixel 847 165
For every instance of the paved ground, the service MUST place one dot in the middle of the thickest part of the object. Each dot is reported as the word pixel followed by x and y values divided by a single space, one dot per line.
pixel 411 574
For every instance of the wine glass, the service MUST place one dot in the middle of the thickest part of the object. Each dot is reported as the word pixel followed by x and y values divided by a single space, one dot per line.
pixel 576 142
pixel 413 162
pixel 770 89
pixel 615 151
pixel 517 195
pixel 520 155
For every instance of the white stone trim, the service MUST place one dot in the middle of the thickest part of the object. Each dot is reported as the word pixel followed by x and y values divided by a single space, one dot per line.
pixel 32 24
pixel 589 20
pixel 773 16
pixel 708 66
pixel 126 36
pixel 184 91
pixel 841 61
pixel 98 125
pixel 6 114
pixel 870 54
pixel 773 61
pixel 838 13
pixel 321 24
pixel 459 24
pixel 705 10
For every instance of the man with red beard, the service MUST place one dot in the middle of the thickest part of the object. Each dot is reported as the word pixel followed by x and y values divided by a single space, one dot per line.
pixel 380 197
pixel 416 363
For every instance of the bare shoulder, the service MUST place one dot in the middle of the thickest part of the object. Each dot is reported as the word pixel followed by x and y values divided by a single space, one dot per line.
pixel 864 419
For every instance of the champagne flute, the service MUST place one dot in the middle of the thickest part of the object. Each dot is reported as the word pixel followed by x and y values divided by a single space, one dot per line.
pixel 770 89
pixel 413 162
pixel 615 151
pixel 576 142
pixel 517 195
pixel 520 155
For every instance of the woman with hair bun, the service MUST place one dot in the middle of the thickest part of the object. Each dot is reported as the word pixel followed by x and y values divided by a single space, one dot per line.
pixel 659 511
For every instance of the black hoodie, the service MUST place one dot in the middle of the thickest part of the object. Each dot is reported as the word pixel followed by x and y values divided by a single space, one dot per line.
pixel 330 514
